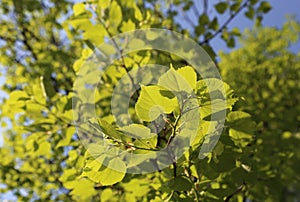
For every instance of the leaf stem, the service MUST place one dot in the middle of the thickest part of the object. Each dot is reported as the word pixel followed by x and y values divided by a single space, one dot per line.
pixel 174 130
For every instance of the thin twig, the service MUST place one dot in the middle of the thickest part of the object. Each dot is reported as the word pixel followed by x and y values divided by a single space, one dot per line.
pixel 232 16
pixel 239 189
pixel 174 130
pixel 174 169
pixel 195 10
pixel 205 7
pixel 27 45
pixel 188 19
pixel 120 52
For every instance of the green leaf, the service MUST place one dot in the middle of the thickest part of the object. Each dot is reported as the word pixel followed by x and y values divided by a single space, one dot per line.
pixel 78 9
pixel 128 26
pixel 18 96
pixel 115 15
pixel 203 19
pixel 137 131
pixel 221 7
pixel 214 93
pixel 235 6
pixel 47 87
pixel 109 130
pixel 70 131
pixel 137 13
pixel 105 175
pixel 135 44
pixel 210 51
pixel 265 7
pixel 189 74
pixel 211 107
pixel 106 195
pixel 103 3
pixel 151 35
pixel 250 13
pixel 182 80
pixel 236 31
pixel 214 24
pixel 67 177
pixel 154 101
pixel 253 2
pixel 83 188
pixel 110 176
pixel 142 134
pixel 107 49
pixel 93 34
pixel 207 86
pixel 180 183
pixel 230 42
pixel 241 127
pixel 138 186
pixel 147 143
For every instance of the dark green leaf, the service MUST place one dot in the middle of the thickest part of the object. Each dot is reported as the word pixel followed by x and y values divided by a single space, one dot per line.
pixel 221 7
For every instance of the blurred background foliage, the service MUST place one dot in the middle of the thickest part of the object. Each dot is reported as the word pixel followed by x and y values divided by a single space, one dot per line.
pixel 266 74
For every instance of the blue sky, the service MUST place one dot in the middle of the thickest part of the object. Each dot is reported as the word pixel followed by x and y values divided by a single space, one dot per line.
pixel 276 17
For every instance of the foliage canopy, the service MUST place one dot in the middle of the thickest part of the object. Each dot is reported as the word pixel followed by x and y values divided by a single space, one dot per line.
pixel 43 45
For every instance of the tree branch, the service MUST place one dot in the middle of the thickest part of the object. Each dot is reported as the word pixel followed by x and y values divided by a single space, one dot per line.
pixel 188 19
pixel 123 64
pixel 8 39
pixel 205 7
pixel 27 45
pixel 232 16
pixel 195 10
pixel 239 189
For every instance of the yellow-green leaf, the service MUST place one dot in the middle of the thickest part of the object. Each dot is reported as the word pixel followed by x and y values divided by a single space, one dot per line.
pixel 154 101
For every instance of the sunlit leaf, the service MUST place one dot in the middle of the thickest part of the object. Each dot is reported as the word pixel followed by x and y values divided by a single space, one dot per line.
pixel 154 101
